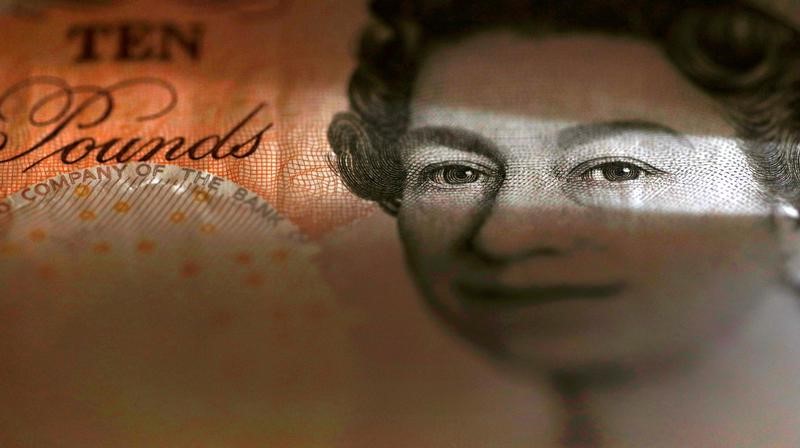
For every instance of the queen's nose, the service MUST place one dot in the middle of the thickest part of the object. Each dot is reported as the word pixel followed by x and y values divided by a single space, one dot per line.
pixel 529 219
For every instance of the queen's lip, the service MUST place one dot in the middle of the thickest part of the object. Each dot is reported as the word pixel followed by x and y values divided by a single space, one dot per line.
pixel 493 293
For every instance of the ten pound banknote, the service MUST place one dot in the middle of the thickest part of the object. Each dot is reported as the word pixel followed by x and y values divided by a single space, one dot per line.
pixel 399 223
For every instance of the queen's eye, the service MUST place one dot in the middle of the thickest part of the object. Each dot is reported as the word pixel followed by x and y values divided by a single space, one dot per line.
pixel 617 171
pixel 619 182
pixel 454 175
pixel 435 170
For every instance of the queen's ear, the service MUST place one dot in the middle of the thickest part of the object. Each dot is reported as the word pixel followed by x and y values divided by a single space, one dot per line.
pixel 786 218
pixel 369 168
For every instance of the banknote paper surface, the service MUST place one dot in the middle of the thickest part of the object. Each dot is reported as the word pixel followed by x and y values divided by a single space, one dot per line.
pixel 399 223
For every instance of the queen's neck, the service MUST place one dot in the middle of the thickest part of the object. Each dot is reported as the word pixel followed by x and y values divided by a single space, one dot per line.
pixel 743 392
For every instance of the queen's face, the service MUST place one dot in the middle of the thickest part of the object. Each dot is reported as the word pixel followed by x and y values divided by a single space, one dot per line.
pixel 573 200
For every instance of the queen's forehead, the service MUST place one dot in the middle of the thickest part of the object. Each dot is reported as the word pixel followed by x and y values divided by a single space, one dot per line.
pixel 563 79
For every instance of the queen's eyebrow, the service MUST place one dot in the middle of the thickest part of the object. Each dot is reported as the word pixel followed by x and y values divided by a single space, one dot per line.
pixel 587 133
pixel 452 137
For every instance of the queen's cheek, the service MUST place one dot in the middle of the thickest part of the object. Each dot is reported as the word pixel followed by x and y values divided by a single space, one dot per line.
pixel 426 230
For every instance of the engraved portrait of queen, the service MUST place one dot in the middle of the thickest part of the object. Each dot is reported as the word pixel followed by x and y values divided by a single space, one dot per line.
pixel 600 193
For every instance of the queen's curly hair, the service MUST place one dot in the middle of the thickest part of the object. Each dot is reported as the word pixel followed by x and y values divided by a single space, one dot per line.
pixel 743 57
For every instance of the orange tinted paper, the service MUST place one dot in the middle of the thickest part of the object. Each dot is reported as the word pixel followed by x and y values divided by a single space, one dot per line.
pixel 397 223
